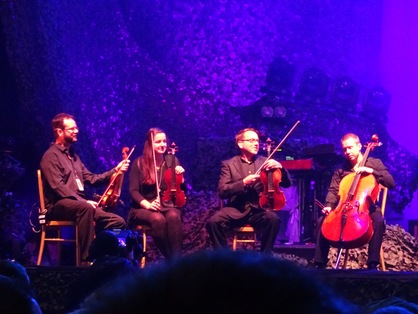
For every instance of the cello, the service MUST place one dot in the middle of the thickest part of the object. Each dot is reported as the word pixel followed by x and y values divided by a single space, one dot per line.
pixel 349 225
pixel 173 194
pixel 271 197
pixel 110 197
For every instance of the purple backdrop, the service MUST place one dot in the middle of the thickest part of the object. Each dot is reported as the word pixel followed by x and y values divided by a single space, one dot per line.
pixel 201 70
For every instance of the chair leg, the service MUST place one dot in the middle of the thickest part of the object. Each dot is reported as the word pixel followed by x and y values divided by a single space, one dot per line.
pixel 41 247
pixel 382 260
pixel 144 249
pixel 77 247
pixel 234 242
pixel 59 246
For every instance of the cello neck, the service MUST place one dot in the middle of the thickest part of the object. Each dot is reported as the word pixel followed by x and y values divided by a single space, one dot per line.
pixel 357 177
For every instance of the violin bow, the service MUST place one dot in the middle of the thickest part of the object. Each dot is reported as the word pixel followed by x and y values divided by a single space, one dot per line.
pixel 155 169
pixel 277 147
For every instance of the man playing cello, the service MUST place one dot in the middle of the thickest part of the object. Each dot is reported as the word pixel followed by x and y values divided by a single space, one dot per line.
pixel 355 164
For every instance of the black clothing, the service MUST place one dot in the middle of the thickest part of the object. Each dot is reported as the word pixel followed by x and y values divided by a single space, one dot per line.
pixel 383 177
pixel 166 224
pixel 380 172
pixel 140 191
pixel 242 205
pixel 64 176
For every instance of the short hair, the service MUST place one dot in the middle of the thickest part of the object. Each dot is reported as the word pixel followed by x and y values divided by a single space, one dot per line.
pixel 350 135
pixel 58 121
pixel 238 136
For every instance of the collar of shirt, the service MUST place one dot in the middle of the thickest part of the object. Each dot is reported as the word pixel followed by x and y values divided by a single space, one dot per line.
pixel 248 162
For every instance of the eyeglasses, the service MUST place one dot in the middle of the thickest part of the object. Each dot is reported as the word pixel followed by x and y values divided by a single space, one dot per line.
pixel 72 130
pixel 251 140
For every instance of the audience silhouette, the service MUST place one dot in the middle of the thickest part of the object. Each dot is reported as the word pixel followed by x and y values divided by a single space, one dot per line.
pixel 219 281
pixel 109 264
pixel 16 293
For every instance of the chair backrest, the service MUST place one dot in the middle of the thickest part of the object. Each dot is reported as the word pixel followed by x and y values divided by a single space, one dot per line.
pixel 41 192
pixel 382 198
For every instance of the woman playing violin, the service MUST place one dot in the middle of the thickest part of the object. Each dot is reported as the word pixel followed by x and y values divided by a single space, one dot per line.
pixel 240 185
pixel 351 148
pixel 146 185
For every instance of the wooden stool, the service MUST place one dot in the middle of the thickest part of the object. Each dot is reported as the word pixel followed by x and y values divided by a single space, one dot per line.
pixel 145 230
pixel 245 234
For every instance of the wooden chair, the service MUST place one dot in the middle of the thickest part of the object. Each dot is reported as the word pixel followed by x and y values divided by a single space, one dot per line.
pixel 55 226
pixel 145 231
pixel 245 234
pixel 381 201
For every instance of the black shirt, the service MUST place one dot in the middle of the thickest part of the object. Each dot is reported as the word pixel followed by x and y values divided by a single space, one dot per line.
pixel 64 175
pixel 380 172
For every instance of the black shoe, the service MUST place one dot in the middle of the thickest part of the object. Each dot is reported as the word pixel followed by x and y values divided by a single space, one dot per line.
pixel 372 266
pixel 86 264
pixel 319 265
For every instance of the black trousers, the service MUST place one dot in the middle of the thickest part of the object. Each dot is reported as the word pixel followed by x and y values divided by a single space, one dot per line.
pixel 85 216
pixel 167 228
pixel 264 222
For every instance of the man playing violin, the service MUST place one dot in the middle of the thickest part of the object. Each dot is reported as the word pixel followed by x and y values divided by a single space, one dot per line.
pixel 240 186
pixel 64 177
pixel 354 164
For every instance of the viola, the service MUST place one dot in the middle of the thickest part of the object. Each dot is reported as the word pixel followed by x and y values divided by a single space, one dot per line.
pixel 110 197
pixel 173 194
pixel 271 197
pixel 349 225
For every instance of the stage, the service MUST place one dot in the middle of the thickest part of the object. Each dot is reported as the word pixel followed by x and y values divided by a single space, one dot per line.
pixel 360 286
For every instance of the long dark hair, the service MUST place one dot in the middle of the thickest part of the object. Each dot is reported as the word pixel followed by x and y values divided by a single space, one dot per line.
pixel 147 159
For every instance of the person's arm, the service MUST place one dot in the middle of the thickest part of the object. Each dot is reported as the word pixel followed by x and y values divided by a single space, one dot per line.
pixel 180 170
pixel 332 198
pixel 286 179
pixel 381 173
pixel 92 178
pixel 227 187
pixel 135 184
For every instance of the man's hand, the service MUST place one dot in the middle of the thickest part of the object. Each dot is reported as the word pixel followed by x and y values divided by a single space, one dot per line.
pixel 123 165
pixel 364 170
pixel 272 164
pixel 326 210
pixel 251 179
pixel 93 204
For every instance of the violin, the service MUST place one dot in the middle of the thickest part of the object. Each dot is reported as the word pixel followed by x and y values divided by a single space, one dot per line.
pixel 110 197
pixel 173 194
pixel 271 197
pixel 349 225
